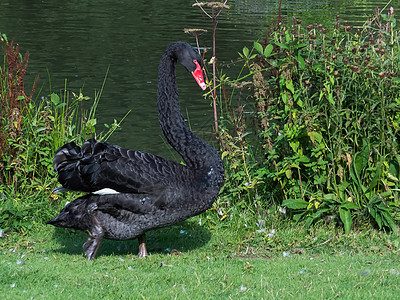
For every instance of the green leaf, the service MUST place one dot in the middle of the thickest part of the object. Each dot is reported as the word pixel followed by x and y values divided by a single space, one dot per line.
pixel 303 159
pixel 258 47
pixel 297 217
pixel 359 163
pixel 361 158
pixel 61 105
pixel 299 46
pixel 394 170
pixel 294 145
pixel 3 35
pixel 315 137
pixel 315 216
pixel 246 51
pixel 268 50
pixel 295 203
pixel 349 205
pixel 330 197
pixel 330 99
pixel 301 61
pixel 299 102
pixel 377 217
pixel 345 216
pixel 389 221
pixel 289 86
pixel 40 129
pixel 283 46
pixel 91 122
pixel 55 99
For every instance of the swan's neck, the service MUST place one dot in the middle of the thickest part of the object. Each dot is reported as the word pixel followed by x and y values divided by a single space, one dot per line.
pixel 196 153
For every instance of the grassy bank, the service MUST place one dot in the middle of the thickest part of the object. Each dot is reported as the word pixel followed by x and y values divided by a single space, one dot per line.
pixel 187 261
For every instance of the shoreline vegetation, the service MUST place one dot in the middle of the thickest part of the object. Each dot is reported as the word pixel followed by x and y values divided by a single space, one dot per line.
pixel 310 204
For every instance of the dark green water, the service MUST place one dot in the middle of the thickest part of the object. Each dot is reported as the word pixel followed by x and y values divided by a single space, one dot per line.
pixel 78 40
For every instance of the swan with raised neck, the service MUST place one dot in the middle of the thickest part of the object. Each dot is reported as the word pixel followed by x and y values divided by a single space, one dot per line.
pixel 138 191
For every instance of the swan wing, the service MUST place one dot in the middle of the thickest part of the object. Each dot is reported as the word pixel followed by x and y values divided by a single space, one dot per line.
pixel 140 204
pixel 99 165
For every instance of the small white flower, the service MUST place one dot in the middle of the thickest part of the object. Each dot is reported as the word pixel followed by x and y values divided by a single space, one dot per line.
pixel 243 288
pixel 12 285
pixel 121 259
pixel 271 233
pixel 286 253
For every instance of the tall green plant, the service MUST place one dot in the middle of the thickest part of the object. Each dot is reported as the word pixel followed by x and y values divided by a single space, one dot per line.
pixel 33 129
pixel 330 119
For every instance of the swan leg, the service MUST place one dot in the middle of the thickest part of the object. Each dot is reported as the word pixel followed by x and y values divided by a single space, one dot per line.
pixel 142 246
pixel 92 244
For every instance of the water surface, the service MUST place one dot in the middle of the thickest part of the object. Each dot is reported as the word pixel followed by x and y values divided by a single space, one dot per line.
pixel 78 40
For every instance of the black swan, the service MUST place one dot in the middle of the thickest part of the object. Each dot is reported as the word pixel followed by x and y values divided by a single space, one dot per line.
pixel 131 192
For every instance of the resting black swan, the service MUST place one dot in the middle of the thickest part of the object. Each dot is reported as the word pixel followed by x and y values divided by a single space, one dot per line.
pixel 131 192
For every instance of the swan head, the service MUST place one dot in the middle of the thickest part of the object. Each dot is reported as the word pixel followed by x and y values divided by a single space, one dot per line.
pixel 191 60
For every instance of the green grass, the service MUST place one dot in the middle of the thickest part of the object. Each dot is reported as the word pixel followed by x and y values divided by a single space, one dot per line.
pixel 189 261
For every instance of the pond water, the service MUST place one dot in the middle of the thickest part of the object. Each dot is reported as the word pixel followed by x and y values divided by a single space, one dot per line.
pixel 77 40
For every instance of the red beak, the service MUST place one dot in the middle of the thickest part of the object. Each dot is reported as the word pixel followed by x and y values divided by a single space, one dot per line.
pixel 198 76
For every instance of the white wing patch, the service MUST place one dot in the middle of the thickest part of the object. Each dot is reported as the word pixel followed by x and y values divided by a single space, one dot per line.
pixel 105 191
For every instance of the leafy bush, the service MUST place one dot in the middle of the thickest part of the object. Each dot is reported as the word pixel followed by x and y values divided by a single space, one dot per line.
pixel 327 115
